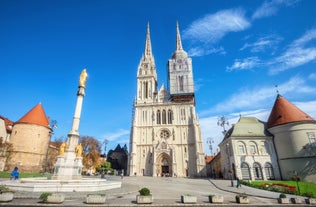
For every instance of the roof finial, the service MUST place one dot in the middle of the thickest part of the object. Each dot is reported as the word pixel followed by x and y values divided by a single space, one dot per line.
pixel 277 90
pixel 178 43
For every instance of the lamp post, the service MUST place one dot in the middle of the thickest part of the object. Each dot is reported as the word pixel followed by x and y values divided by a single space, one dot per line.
pixel 297 179
pixel 230 170
pixel 210 141
pixel 221 121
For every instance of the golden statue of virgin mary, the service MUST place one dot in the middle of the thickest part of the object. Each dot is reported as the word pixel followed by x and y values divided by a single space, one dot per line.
pixel 83 78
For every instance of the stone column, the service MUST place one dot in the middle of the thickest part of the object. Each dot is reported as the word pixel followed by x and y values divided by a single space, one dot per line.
pixel 68 165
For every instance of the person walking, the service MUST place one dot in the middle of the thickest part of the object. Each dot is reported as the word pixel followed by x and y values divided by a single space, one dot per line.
pixel 238 183
pixel 15 173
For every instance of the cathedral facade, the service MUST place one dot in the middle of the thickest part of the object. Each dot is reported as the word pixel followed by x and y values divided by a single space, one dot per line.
pixel 165 138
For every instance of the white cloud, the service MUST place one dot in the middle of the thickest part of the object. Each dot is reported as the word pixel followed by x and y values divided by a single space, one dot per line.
pixel 296 54
pixel 245 64
pixel 258 97
pixel 201 51
pixel 312 76
pixel 112 136
pixel 210 129
pixel 212 28
pixel 269 8
pixel 263 44
pixel 265 10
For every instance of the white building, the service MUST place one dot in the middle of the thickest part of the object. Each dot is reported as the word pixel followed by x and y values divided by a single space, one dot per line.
pixel 282 147
pixel 247 151
pixel 165 137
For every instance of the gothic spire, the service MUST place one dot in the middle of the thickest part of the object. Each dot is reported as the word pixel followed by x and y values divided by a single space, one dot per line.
pixel 178 41
pixel 148 51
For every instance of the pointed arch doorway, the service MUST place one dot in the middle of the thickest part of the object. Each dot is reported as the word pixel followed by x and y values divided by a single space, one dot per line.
pixel 164 165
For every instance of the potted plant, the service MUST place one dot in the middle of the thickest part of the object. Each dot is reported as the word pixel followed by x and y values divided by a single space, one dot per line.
pixel 242 198
pixel 47 197
pixel 216 198
pixel 95 198
pixel 309 199
pixel 6 194
pixel 188 198
pixel 144 196
pixel 283 199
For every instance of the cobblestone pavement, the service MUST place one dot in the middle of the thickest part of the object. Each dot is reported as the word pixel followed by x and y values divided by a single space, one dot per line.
pixel 166 191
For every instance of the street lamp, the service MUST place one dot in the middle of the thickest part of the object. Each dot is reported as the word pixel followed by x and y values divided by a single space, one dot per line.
pixel 297 179
pixel 221 121
pixel 210 141
pixel 230 171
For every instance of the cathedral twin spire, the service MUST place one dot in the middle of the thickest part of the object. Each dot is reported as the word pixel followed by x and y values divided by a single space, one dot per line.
pixel 180 77
pixel 148 55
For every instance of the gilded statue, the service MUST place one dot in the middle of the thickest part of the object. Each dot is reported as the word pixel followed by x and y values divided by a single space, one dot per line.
pixel 83 78
pixel 79 150
pixel 62 148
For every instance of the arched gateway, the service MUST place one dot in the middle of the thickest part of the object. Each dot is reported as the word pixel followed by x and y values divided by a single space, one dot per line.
pixel 164 165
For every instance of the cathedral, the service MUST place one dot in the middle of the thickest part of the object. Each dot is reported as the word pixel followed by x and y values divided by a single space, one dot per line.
pixel 165 138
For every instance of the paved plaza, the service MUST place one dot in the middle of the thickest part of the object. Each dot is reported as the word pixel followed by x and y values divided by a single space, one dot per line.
pixel 166 191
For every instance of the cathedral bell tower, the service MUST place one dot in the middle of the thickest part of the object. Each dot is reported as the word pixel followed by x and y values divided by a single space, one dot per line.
pixel 147 76
pixel 180 76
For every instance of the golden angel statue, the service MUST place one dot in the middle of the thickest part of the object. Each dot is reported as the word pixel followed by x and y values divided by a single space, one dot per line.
pixel 79 150
pixel 83 78
pixel 62 148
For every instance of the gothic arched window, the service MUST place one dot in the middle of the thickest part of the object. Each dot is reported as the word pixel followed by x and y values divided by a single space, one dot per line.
pixel 163 116
pixel 158 117
pixel 269 171
pixel 169 116
pixel 181 83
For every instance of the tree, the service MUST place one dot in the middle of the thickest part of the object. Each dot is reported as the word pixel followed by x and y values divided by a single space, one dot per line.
pixel 91 151
pixel 105 167
pixel 52 153
pixel 6 149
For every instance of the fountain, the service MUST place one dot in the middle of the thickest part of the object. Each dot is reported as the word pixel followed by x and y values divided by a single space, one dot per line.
pixel 68 167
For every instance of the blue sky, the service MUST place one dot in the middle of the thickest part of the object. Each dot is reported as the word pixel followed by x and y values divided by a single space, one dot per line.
pixel 240 51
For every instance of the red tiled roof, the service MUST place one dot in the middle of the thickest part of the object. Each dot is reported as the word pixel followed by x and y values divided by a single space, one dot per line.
pixel 35 116
pixel 8 123
pixel 284 112
pixel 208 159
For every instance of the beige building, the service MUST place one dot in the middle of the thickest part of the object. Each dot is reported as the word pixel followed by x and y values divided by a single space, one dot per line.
pixel 247 151
pixel 294 139
pixel 165 137
pixel 30 139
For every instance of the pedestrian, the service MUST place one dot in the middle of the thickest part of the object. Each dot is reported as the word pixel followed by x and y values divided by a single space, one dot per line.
pixel 238 183
pixel 15 173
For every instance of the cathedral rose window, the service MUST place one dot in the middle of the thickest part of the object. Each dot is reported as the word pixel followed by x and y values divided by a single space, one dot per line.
pixel 164 134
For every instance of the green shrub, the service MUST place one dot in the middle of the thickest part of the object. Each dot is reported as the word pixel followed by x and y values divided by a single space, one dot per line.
pixel 44 196
pixel 144 191
pixel 4 189
pixel 308 194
